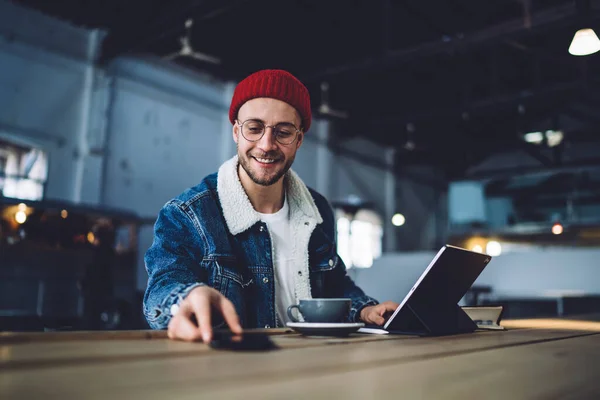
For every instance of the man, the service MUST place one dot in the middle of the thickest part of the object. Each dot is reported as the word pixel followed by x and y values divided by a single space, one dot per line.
pixel 252 239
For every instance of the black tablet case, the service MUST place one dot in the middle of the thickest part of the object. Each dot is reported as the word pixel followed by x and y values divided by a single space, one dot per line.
pixel 432 308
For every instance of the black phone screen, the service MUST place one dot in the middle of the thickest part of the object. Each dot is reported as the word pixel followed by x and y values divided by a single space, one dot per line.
pixel 243 342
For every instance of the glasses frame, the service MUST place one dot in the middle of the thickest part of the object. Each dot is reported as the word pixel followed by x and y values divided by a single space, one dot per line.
pixel 241 124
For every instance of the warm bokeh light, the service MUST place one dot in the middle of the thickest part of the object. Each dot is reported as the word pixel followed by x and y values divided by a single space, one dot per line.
pixel 557 229
pixel 398 220
pixel 22 207
pixel 552 323
pixel 493 248
pixel 64 214
pixel 20 217
pixel 475 243
pixel 91 237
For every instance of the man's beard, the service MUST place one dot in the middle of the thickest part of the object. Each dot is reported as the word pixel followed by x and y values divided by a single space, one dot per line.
pixel 267 180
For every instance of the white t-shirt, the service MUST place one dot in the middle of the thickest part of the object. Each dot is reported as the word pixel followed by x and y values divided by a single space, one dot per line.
pixel 283 262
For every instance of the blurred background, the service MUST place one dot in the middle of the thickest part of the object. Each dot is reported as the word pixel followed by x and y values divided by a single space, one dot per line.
pixel 473 123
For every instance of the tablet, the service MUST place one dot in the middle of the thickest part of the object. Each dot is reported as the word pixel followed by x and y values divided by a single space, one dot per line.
pixel 431 305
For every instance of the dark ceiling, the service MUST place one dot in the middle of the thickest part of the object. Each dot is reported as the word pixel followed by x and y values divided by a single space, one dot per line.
pixel 447 82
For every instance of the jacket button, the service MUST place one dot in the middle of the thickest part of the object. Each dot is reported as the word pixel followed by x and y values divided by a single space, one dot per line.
pixel 262 228
pixel 265 280
pixel 299 273
pixel 331 262
pixel 267 326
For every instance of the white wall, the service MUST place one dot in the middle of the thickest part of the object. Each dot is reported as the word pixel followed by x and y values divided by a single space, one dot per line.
pixel 165 132
pixel 425 208
pixel 392 276
pixel 364 170
pixel 466 203
pixel 540 272
pixel 498 210
pixel 351 177
pixel 159 142
pixel 46 83
pixel 587 212
pixel 306 164
pixel 544 271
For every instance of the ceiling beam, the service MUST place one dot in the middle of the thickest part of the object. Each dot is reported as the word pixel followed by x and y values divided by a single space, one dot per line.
pixel 386 25
pixel 456 111
pixel 583 113
pixel 508 172
pixel 169 24
pixel 535 152
pixel 546 19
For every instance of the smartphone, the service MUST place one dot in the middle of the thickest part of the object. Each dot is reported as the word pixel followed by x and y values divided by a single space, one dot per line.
pixel 226 340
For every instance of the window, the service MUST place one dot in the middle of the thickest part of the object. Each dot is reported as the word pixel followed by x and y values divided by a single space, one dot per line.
pixel 23 171
pixel 359 237
pixel 3 160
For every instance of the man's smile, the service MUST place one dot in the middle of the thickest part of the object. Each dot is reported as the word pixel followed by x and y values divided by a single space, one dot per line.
pixel 265 161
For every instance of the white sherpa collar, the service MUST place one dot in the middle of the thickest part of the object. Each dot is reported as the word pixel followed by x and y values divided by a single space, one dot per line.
pixel 237 209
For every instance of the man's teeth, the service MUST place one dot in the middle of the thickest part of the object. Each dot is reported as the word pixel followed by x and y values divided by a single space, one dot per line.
pixel 265 160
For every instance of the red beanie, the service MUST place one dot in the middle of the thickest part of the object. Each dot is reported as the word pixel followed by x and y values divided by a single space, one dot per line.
pixel 275 84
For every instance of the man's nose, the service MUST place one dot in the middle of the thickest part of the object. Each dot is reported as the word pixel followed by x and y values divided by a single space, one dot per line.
pixel 268 142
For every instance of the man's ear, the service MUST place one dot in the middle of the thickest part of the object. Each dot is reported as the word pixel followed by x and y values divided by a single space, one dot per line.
pixel 235 131
pixel 300 140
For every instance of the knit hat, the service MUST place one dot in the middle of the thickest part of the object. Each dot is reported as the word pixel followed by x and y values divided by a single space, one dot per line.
pixel 275 84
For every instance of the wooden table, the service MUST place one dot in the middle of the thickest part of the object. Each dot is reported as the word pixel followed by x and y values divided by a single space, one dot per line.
pixel 534 359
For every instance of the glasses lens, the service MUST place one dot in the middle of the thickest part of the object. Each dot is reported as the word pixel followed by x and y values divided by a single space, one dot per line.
pixel 253 130
pixel 285 133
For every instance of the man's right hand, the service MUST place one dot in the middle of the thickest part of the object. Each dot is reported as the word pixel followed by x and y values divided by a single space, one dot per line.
pixel 198 304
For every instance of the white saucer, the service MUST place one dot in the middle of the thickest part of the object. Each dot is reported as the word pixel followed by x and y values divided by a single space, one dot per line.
pixel 325 328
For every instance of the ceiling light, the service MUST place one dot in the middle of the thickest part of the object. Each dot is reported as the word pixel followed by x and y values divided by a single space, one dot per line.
pixel 557 228
pixel 20 217
pixel 585 42
pixel 534 137
pixel 554 138
pixel 493 248
pixel 398 220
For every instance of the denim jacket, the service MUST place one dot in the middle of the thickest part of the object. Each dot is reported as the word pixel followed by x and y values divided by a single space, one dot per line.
pixel 211 235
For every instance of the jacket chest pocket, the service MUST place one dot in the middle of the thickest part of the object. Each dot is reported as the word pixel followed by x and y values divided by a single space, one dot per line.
pixel 227 277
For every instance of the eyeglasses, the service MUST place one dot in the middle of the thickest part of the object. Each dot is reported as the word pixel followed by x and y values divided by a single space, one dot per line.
pixel 253 130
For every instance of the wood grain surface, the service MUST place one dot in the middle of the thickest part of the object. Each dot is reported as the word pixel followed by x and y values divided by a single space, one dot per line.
pixel 537 360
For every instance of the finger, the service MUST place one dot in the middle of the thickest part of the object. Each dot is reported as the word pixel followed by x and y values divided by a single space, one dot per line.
pixel 183 328
pixel 372 317
pixel 230 315
pixel 202 307
pixel 377 319
pixel 390 305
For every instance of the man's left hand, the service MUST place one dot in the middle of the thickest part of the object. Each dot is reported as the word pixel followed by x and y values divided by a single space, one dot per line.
pixel 378 314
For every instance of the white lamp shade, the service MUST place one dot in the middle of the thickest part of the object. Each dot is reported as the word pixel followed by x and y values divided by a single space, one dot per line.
pixel 584 42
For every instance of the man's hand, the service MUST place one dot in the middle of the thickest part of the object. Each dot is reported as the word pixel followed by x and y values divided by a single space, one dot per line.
pixel 378 314
pixel 199 303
